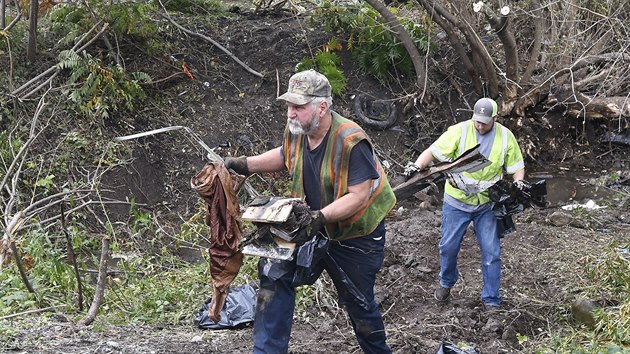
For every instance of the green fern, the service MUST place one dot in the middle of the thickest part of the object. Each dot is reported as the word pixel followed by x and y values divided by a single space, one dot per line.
pixel 327 62
pixel 126 19
pixel 97 89
pixel 337 79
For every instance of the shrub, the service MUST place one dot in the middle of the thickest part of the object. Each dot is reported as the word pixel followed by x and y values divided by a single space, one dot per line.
pixel 372 44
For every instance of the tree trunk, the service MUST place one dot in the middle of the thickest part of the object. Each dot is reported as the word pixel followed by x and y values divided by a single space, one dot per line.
pixel 536 45
pixel 2 14
pixel 405 38
pixel 31 49
pixel 501 26
pixel 480 58
pixel 101 284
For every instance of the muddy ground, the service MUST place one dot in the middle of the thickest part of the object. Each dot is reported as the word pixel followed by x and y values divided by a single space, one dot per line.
pixel 235 112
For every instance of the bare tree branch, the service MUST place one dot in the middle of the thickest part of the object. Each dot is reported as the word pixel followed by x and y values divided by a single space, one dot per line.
pixel 17 17
pixel 405 38
pixel 101 284
pixel 72 258
pixel 214 43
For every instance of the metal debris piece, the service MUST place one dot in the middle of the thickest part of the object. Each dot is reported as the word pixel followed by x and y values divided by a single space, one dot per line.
pixel 279 223
pixel 470 161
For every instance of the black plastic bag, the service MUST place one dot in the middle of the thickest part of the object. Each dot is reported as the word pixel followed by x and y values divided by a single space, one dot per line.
pixel 307 261
pixel 450 348
pixel 507 200
pixel 239 310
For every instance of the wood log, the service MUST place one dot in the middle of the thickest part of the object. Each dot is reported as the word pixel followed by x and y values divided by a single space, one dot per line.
pixel 580 105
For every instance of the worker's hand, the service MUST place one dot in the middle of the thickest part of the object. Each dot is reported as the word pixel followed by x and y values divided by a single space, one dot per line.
pixel 318 222
pixel 310 230
pixel 237 164
pixel 410 169
pixel 521 185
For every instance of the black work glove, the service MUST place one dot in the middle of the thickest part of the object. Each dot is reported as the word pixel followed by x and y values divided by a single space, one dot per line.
pixel 310 230
pixel 318 222
pixel 237 164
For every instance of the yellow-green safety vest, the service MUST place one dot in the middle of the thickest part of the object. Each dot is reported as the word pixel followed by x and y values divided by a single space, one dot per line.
pixel 504 154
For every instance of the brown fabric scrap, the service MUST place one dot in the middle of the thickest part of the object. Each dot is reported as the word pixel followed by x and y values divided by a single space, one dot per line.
pixel 218 188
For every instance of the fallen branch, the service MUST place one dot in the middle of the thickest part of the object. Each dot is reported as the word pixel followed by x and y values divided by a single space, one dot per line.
pixel 54 69
pixel 216 44
pixel 30 312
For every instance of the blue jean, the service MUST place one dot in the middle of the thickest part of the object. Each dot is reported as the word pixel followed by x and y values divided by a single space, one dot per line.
pixel 359 259
pixel 454 225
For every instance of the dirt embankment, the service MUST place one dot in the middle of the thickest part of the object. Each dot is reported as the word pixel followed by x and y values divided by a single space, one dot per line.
pixel 236 113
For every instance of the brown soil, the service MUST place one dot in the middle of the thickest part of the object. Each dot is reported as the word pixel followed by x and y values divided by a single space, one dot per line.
pixel 235 113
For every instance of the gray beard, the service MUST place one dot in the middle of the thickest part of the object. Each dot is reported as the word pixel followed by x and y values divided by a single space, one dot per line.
pixel 296 128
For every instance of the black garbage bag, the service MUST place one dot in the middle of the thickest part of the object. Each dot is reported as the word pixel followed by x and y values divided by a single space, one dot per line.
pixel 450 348
pixel 507 200
pixel 238 312
pixel 307 260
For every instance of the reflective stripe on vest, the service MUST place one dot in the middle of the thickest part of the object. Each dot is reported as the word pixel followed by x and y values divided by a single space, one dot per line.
pixel 462 148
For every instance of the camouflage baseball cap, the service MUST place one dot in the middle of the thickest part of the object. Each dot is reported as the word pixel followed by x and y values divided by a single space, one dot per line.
pixel 305 86
pixel 485 110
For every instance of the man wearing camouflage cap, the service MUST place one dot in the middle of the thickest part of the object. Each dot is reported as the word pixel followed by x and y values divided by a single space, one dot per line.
pixel 334 168
pixel 460 207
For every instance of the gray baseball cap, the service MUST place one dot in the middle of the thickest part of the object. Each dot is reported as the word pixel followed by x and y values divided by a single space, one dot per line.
pixel 485 110
pixel 305 86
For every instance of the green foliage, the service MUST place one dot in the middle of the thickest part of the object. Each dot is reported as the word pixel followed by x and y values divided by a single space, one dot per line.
pixel 125 19
pixel 570 343
pixel 13 39
pixel 140 221
pixel 50 275
pixel 192 6
pixel 337 79
pixel 371 42
pixel 611 274
pixel 97 89
pixel 170 296
pixel 327 62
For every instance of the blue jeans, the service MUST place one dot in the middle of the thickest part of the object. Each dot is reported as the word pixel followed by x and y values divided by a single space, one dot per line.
pixel 357 260
pixel 454 225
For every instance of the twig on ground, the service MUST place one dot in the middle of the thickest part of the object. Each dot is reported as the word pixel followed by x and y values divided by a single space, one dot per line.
pixel 30 312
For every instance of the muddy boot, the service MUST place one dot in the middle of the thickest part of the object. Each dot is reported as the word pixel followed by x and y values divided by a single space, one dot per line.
pixel 442 294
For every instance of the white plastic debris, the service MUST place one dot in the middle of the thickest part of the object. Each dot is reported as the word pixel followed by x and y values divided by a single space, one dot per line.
pixel 589 205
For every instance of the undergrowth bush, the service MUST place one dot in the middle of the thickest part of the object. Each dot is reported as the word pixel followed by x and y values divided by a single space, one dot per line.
pixel 611 273
pixel 609 281
pixel 125 20
pixel 51 276
pixel 327 63
pixel 99 89
pixel 192 6
pixel 373 45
